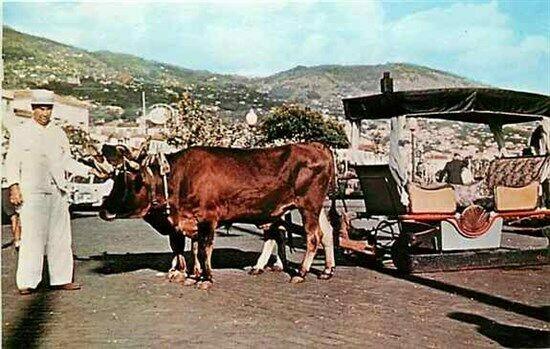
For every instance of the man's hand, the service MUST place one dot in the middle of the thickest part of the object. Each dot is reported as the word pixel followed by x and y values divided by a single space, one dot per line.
pixel 15 195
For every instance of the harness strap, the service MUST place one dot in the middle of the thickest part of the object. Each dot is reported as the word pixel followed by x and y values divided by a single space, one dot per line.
pixel 165 183
pixel 164 165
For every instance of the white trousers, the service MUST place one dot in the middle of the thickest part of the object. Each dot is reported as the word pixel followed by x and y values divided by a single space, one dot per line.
pixel 46 230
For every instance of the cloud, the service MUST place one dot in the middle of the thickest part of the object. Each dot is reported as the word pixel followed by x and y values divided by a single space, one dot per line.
pixel 474 40
pixel 477 40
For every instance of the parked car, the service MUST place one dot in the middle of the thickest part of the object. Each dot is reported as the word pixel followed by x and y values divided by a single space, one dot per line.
pixel 88 193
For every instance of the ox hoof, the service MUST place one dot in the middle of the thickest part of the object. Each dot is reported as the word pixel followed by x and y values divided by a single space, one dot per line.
pixel 324 276
pixel 204 285
pixel 175 276
pixel 189 282
pixel 255 271
pixel 297 279
pixel 327 274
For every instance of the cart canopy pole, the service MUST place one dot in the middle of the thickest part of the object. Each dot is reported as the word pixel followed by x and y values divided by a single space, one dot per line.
pixel 545 140
pixel 498 134
pixel 396 160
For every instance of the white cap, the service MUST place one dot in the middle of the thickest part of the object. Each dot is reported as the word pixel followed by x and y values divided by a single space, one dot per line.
pixel 42 97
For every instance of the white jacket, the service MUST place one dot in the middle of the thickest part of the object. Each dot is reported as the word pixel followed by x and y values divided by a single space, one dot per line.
pixel 38 158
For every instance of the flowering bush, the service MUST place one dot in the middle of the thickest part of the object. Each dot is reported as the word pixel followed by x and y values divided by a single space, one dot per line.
pixel 196 124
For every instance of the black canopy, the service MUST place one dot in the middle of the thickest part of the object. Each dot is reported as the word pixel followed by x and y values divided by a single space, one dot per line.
pixel 477 105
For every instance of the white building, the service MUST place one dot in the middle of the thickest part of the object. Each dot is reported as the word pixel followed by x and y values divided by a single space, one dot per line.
pixel 8 117
pixel 67 110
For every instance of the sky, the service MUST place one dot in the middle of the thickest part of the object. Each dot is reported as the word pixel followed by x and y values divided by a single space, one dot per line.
pixel 501 43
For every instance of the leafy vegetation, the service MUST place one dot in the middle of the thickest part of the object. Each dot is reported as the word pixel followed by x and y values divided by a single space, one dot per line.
pixel 292 123
pixel 199 125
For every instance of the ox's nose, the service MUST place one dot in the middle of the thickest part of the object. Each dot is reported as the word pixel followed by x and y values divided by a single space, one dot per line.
pixel 106 215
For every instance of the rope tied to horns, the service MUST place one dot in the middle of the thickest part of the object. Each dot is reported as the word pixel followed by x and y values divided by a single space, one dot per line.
pixel 164 168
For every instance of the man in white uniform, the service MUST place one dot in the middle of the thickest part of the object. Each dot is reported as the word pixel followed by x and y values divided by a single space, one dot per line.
pixel 38 157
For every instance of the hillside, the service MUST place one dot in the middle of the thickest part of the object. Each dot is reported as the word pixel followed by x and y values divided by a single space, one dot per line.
pixel 324 86
pixel 31 59
pixel 108 78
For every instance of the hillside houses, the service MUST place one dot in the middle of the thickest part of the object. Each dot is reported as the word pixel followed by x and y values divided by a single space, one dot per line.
pixel 468 140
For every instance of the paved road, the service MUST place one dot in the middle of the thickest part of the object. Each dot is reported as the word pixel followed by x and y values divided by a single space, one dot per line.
pixel 127 302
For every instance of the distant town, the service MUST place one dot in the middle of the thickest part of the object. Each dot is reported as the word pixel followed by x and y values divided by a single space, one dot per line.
pixel 115 98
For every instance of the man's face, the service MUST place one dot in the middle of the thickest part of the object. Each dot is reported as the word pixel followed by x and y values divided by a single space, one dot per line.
pixel 42 114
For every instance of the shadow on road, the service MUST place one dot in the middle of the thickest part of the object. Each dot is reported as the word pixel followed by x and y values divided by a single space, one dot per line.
pixel 539 313
pixel 32 323
pixel 82 214
pixel 223 258
pixel 505 335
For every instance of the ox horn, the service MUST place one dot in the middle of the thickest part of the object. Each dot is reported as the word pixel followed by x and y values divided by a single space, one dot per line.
pixel 133 165
pixel 103 169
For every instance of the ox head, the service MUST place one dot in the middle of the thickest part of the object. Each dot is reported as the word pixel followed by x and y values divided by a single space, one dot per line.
pixel 131 193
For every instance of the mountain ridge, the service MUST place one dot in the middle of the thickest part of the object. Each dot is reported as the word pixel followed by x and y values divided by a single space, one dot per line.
pixel 108 78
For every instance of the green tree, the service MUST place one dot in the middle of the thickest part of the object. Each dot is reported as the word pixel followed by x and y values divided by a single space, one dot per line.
pixel 292 123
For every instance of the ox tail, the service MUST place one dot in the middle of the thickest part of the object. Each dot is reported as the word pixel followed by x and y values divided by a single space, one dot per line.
pixel 336 221
pixel 334 218
pixel 332 186
pixel 289 227
pixel 331 223
pixel 327 240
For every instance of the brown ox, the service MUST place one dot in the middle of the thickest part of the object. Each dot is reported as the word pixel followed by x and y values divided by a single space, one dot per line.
pixel 208 187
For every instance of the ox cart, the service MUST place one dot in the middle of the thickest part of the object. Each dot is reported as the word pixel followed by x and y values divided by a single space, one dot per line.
pixel 435 229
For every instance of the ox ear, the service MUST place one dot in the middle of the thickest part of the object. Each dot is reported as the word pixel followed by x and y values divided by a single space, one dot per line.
pixel 124 152
pixel 111 154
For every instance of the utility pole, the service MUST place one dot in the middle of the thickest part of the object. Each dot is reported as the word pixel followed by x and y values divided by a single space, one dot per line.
pixel 143 110
pixel 143 103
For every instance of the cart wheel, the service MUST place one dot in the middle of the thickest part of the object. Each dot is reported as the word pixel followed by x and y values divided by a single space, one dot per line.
pixel 401 254
pixel 384 230
pixel 387 228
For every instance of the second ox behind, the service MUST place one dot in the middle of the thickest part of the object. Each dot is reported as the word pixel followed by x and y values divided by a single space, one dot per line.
pixel 207 187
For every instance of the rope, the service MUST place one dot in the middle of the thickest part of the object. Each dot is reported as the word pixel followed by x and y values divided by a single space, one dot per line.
pixel 164 168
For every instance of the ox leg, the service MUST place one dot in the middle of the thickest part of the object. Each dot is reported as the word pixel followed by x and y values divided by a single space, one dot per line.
pixel 178 271
pixel 327 241
pixel 267 249
pixel 281 263
pixel 313 238
pixel 197 270
pixel 205 248
pixel 274 235
pixel 209 250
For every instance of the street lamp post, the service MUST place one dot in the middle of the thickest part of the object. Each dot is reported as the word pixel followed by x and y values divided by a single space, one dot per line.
pixel 251 120
pixel 413 127
pixel 251 117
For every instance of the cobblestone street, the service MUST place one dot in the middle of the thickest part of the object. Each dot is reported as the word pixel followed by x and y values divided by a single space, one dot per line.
pixel 126 301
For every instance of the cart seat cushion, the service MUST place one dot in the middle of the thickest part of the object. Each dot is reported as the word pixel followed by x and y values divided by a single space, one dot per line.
pixel 517 199
pixel 516 172
pixel 440 200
